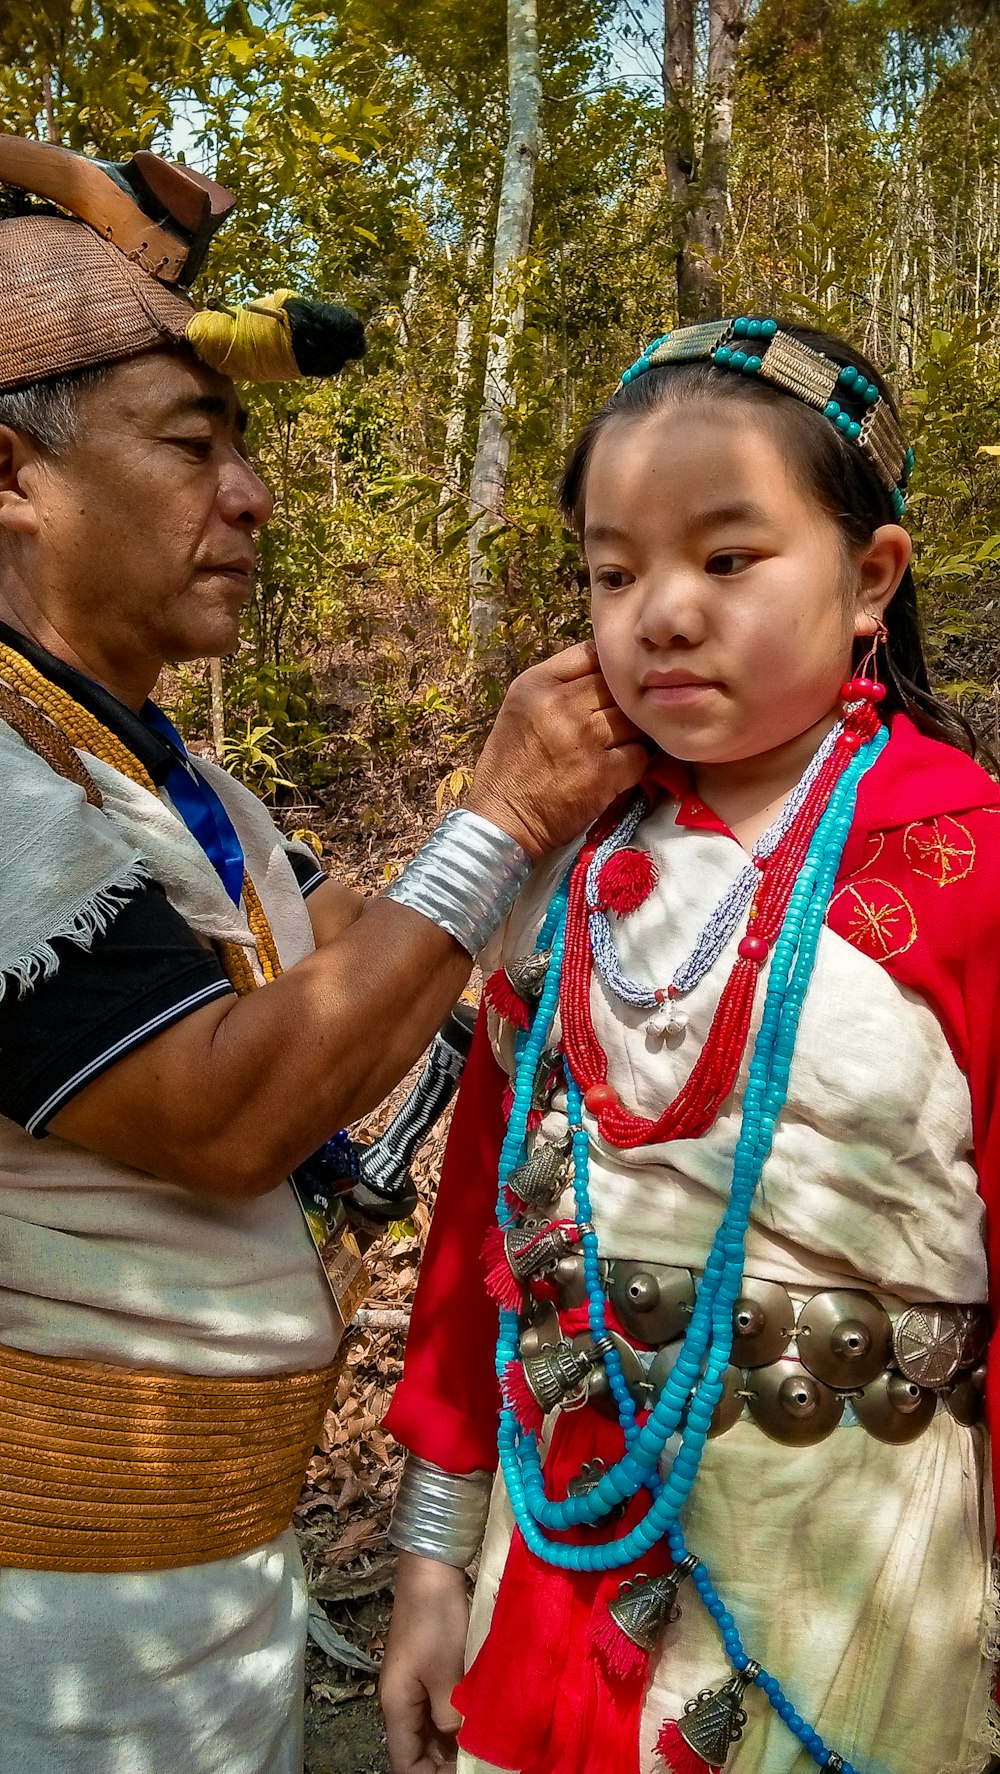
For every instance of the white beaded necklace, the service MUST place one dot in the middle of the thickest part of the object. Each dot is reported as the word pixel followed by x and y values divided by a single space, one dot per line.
pixel 718 926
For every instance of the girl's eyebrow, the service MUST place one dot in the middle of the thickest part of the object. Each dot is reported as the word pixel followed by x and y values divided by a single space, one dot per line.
pixel 604 533
pixel 727 512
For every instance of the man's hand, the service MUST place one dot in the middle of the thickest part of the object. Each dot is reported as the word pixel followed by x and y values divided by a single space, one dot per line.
pixel 424 1659
pixel 560 752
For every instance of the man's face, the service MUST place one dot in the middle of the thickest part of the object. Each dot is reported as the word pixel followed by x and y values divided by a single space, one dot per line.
pixel 145 537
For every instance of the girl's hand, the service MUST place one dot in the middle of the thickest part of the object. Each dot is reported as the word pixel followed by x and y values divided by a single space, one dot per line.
pixel 424 1658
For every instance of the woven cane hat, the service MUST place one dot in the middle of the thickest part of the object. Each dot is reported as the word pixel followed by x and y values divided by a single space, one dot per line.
pixel 103 281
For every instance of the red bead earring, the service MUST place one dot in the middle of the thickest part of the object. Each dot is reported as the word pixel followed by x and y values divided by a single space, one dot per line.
pixel 865 685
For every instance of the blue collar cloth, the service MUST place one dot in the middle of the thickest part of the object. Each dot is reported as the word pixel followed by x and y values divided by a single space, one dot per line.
pixel 199 806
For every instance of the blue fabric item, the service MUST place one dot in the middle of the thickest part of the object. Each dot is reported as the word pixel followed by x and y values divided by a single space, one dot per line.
pixel 199 806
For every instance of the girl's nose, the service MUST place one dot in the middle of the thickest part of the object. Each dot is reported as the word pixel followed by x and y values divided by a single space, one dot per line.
pixel 672 613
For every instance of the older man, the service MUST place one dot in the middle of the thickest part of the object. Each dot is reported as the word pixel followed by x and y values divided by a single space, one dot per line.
pixel 180 1027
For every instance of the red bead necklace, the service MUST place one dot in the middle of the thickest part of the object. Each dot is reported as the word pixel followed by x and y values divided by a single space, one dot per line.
pixel 711 1079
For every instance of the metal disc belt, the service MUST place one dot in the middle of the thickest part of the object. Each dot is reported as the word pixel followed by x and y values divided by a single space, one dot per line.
pixel 800 1367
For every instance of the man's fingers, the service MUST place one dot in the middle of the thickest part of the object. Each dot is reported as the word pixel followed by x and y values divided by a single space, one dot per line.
pixel 632 762
pixel 612 728
pixel 579 661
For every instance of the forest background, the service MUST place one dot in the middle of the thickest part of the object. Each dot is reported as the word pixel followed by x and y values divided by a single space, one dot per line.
pixel 517 196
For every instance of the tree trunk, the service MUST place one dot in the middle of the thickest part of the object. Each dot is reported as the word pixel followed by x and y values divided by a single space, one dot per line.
pixel 218 716
pixel 513 232
pixel 461 374
pixel 699 262
pixel 679 162
pixel 48 107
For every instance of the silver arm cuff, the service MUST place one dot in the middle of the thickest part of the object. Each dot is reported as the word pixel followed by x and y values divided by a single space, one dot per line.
pixel 440 1514
pixel 465 878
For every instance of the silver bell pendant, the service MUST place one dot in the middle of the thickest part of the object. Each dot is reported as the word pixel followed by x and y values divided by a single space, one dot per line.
pixel 634 1620
pixel 668 1021
pixel 710 1726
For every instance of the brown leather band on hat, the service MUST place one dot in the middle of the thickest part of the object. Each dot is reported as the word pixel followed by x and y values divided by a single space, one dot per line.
pixel 112 1469
pixel 82 187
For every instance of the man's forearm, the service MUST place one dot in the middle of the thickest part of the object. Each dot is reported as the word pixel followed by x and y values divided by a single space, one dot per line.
pixel 239 1093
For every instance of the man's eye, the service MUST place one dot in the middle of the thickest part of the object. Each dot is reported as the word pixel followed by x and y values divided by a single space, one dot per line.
pixel 195 446
pixel 728 562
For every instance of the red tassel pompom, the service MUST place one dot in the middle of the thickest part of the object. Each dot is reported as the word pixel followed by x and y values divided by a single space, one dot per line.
pixel 623 1657
pixel 518 1397
pixel 626 881
pixel 508 1004
pixel 678 1754
pixel 502 1284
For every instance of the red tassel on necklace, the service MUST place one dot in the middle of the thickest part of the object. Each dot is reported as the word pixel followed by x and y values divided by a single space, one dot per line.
pixel 508 1004
pixel 678 1754
pixel 624 1658
pixel 502 1284
pixel 519 1398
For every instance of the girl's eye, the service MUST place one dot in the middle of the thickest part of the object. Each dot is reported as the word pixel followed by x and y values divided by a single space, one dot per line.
pixel 727 563
pixel 611 578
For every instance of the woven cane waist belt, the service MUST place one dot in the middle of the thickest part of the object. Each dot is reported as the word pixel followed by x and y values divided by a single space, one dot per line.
pixel 800 1366
pixel 108 1469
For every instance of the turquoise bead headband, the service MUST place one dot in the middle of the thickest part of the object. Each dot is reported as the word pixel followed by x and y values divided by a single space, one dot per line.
pixel 843 394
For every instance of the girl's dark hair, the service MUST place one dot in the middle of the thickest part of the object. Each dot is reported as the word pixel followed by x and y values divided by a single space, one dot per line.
pixel 834 471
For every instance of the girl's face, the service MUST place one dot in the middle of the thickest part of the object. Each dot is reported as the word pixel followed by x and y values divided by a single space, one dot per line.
pixel 722 603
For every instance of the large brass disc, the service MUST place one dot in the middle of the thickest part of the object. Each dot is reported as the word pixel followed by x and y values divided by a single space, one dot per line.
pixel 929 1342
pixel 763 1321
pixel 894 1408
pixel 652 1301
pixel 791 1405
pixel 844 1337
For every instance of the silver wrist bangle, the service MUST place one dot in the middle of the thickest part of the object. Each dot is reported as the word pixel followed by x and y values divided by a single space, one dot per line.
pixel 440 1514
pixel 465 878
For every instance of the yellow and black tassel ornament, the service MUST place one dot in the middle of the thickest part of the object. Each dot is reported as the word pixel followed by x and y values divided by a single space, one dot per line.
pixel 278 338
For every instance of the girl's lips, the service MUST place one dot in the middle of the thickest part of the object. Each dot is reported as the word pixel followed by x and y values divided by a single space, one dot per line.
pixel 676 695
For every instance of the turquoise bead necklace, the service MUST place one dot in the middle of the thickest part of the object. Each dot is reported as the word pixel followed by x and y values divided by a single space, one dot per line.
pixel 691 1392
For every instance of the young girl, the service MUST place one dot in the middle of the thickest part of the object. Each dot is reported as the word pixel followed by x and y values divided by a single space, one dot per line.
pixel 733 1118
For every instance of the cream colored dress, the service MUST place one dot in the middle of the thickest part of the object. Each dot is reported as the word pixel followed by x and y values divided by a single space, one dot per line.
pixel 858 1572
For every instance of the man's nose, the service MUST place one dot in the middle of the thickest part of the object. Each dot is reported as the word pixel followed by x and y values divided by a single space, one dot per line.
pixel 244 498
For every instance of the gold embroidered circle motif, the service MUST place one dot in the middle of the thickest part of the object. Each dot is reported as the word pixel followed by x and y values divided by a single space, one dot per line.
pixel 880 920
pixel 942 850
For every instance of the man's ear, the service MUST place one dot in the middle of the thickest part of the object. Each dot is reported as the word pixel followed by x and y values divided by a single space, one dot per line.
pixel 19 462
pixel 880 569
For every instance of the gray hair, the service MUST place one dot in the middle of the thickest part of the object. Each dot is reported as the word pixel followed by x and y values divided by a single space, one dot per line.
pixel 49 411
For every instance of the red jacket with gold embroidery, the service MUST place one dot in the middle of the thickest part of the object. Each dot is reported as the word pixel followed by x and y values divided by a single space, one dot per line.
pixel 918 891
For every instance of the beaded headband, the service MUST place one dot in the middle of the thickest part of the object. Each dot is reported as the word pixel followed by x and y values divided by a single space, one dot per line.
pixel 840 392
